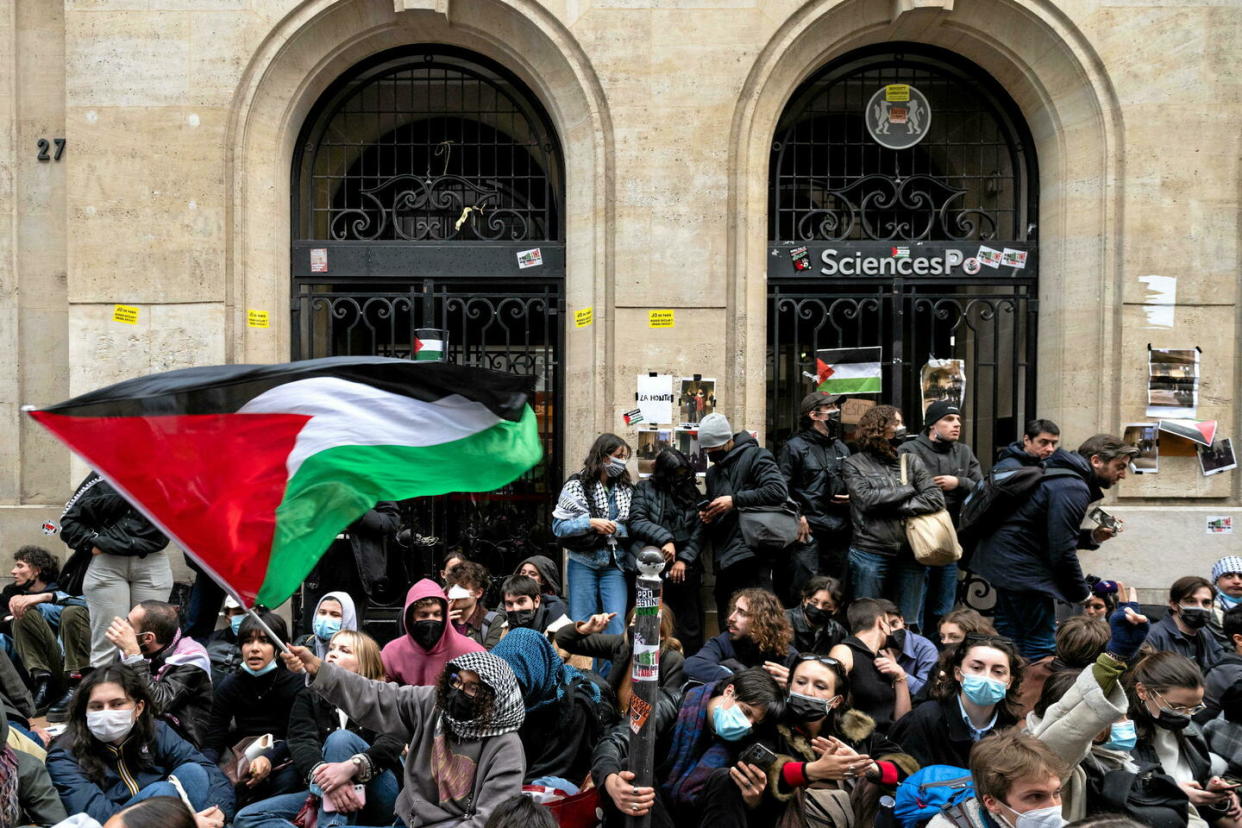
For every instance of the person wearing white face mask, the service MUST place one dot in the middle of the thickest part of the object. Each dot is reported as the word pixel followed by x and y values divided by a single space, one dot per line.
pixel 590 521
pixel 1017 785
pixel 115 753
pixel 974 697
pixel 825 747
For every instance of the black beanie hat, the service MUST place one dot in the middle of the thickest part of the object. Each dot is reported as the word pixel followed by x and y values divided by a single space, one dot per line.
pixel 937 411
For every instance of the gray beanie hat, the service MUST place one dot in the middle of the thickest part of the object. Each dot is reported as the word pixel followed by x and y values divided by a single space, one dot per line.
pixel 714 431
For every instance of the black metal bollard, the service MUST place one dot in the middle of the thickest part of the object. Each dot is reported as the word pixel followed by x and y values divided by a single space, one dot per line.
pixel 645 673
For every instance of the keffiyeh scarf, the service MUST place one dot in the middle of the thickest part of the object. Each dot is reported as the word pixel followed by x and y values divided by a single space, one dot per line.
pixel 574 503
pixel 508 711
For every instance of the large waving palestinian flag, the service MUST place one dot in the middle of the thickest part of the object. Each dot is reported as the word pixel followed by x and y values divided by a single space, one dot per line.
pixel 254 469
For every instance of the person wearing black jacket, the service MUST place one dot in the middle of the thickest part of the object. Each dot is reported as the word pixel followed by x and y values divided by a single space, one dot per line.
pixel 587 638
pixel 329 749
pixel 1037 445
pixel 664 514
pixel 254 702
pixel 814 627
pixel 758 635
pixel 956 471
pixel 1032 558
pixel 127 562
pixel 812 463
pixel 743 475
pixel 882 564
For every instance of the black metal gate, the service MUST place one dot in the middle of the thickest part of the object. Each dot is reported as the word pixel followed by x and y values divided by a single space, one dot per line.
pixel 427 192
pixel 892 247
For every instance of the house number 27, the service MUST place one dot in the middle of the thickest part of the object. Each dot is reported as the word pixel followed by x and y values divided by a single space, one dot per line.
pixel 44 145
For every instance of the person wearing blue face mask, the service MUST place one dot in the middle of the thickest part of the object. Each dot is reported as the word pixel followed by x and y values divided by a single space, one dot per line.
pixel 334 612
pixel 1227 579
pixel 698 738
pixel 976 696
pixel 253 702
pixel 1083 716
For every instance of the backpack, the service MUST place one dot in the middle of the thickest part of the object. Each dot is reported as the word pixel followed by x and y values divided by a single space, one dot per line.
pixel 927 792
pixel 997 497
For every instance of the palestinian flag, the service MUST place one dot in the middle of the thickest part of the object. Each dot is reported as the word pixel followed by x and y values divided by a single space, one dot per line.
pixel 428 350
pixel 254 469
pixel 848 370
pixel 1202 432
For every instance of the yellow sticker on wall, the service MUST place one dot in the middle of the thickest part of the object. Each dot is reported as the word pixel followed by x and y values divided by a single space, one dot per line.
pixel 897 92
pixel 660 319
pixel 257 319
pixel 125 313
pixel 584 317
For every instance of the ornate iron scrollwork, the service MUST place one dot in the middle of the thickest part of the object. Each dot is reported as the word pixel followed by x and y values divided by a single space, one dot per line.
pixel 431 208
pixel 891 208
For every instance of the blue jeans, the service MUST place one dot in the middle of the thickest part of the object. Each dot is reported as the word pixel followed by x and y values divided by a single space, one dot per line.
pixel 192 776
pixel 941 596
pixel 900 580
pixel 279 811
pixel 593 591
pixel 1029 620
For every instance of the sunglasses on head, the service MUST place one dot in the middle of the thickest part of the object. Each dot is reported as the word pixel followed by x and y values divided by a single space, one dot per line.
pixel 825 660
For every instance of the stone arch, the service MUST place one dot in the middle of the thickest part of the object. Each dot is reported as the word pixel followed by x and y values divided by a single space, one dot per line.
pixel 314 44
pixel 1071 109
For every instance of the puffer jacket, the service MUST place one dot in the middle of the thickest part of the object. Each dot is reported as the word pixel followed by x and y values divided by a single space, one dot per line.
pixel 1035 549
pixel 954 459
pixel 1070 726
pixel 879 502
pixel 657 519
pixel 812 463
pixel 100 517
pixel 1013 456
pixel 749 473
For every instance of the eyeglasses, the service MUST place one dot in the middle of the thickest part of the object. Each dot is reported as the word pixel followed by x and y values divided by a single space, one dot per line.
pixel 1180 708
pixel 471 688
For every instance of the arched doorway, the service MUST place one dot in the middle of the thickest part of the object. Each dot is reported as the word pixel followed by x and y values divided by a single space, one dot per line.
pixel 872 246
pixel 427 192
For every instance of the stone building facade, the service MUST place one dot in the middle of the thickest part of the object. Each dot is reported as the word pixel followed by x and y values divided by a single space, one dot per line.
pixel 187 187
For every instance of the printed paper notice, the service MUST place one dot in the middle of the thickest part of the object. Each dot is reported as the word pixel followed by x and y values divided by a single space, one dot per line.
pixel 897 92
pixel 660 319
pixel 319 259
pixel 1219 525
pixel 639 711
pixel 125 313
pixel 1013 258
pixel 989 257
pixel 655 398
pixel 258 319
pixel 530 258
pixel 584 317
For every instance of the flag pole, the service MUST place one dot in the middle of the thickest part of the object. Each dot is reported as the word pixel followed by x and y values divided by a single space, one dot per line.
pixel 271 635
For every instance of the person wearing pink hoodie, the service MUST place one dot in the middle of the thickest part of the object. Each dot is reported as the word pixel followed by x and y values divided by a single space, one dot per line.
pixel 429 642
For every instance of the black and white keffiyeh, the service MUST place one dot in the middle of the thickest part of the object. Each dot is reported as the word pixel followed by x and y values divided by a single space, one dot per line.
pixel 573 502
pixel 508 710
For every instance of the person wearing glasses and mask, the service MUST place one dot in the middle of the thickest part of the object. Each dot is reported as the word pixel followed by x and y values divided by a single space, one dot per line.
pixel 465 758
pixel 664 514
pixel 812 462
pixel 976 696
pixel 825 747
pixel 1184 629
pixel 1166 691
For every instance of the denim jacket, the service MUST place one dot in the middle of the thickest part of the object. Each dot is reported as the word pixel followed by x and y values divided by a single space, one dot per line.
pixel 603 557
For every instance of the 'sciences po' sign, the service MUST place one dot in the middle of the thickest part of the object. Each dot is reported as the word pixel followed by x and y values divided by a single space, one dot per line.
pixel 995 259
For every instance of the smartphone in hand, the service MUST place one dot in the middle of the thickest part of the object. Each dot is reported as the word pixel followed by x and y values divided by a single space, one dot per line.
pixel 759 756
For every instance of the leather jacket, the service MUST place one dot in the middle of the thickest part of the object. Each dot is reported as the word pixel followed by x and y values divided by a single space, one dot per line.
pixel 812 463
pixel 879 502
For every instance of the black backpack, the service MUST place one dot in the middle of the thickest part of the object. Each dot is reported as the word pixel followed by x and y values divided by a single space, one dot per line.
pixel 997 497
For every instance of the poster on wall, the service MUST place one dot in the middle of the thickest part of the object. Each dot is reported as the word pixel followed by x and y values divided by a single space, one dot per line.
pixel 943 380
pixel 650 443
pixel 1146 438
pixel 655 398
pixel 1218 457
pixel 1172 383
pixel 697 399
pixel 688 444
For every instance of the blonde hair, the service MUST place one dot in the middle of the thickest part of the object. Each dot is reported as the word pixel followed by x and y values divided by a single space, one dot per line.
pixel 370 665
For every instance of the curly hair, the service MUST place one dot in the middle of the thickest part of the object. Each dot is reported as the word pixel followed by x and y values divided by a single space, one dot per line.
pixel 769 628
pixel 484 700
pixel 92 755
pixel 39 558
pixel 947 686
pixel 872 432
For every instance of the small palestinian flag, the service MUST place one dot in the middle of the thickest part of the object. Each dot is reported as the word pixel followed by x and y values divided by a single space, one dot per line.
pixel 429 345
pixel 255 469
pixel 1202 432
pixel 848 370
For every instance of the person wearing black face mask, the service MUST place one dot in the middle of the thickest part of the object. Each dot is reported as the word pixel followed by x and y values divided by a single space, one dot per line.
pixel 815 628
pixel 524 608
pixel 743 474
pixel 817 716
pixel 1166 691
pixel 1183 630
pixel 812 464
pixel 419 656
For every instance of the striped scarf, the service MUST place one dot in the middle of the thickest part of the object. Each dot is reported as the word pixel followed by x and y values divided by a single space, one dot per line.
pixel 10 804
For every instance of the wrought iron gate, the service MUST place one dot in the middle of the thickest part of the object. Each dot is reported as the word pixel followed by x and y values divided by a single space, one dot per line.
pixel 427 192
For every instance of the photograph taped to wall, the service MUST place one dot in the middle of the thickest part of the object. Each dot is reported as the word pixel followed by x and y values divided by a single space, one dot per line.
pixel 1146 438
pixel 1217 458
pixel 697 399
pixel 688 444
pixel 650 443
pixel 1172 382
pixel 943 380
